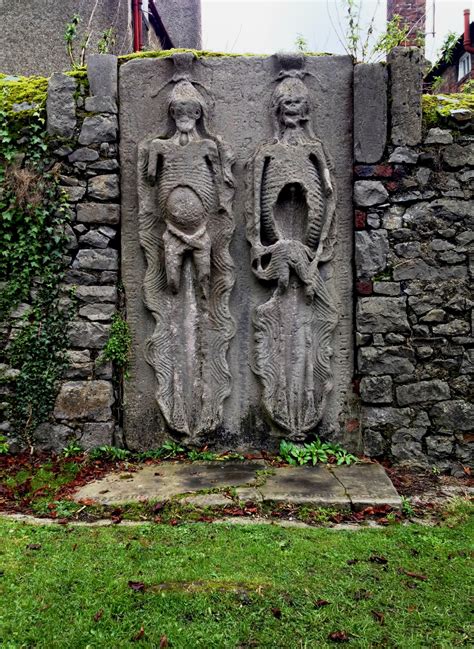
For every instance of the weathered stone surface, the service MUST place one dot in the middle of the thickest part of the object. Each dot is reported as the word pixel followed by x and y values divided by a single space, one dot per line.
pixel 369 192
pixel 98 213
pixel 453 328
pixel 371 249
pixel 419 269
pixel 373 417
pixel 94 259
pixel 435 315
pixel 182 21
pixel 92 294
pixel 382 314
pixel 367 485
pixel 391 289
pixel 376 389
pixel 88 335
pixel 374 443
pixel 79 365
pixel 439 136
pixel 453 415
pixel 102 73
pixel 386 360
pixel 109 165
pixel 404 155
pixel 52 437
pixel 84 154
pixel 60 105
pixel 104 188
pixel 370 111
pixel 96 434
pixel 406 447
pixel 423 391
pixel 74 194
pixel 79 400
pixel 308 484
pixel 406 75
pixel 439 446
pixel 456 155
pixel 95 239
pixel 98 128
pixel 101 312
pixel 101 105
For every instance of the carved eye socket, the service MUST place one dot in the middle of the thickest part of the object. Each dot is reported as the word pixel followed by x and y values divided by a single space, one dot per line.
pixel 197 113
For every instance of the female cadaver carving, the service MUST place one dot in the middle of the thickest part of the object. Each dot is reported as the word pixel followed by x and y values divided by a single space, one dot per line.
pixel 291 228
pixel 185 222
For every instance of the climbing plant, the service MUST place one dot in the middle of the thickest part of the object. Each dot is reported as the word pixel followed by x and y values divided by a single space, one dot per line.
pixel 33 212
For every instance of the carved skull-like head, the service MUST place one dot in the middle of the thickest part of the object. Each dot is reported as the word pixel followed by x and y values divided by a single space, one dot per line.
pixel 186 106
pixel 290 102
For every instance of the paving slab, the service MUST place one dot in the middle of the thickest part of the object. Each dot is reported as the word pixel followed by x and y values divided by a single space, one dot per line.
pixel 315 485
pixel 164 481
pixel 207 500
pixel 367 485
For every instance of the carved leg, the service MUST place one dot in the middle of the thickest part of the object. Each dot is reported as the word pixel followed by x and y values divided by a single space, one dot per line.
pixel 174 252
pixel 202 260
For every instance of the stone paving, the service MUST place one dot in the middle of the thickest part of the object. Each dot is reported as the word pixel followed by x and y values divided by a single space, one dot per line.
pixel 210 484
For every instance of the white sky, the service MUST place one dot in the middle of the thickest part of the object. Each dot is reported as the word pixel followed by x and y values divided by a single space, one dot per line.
pixel 268 26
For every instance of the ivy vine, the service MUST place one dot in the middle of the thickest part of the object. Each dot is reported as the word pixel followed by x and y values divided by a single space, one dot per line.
pixel 33 213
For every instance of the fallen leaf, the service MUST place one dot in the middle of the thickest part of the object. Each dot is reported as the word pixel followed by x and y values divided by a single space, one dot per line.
pixel 139 635
pixel 352 562
pixel 98 615
pixel 379 617
pixel 378 559
pixel 319 603
pixel 34 546
pixel 157 507
pixel 338 636
pixel 138 586
pixel 276 613
pixel 164 642
pixel 362 594
pixel 414 575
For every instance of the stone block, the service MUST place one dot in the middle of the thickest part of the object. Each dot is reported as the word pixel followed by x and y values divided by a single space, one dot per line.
pixel 93 294
pixel 386 360
pixel 182 21
pixel 98 128
pixel 369 192
pixel 101 105
pixel 453 415
pixel 95 239
pixel 370 111
pixel 391 289
pixel 406 80
pixel 99 312
pixel 50 437
pixel 104 188
pixel 423 391
pixel 96 434
pixel 453 328
pixel 374 443
pixel 456 155
pixel 439 446
pixel 102 73
pixel 88 335
pixel 367 485
pixel 374 417
pixel 98 213
pixel 61 105
pixel 94 259
pixel 382 314
pixel 439 136
pixel 376 389
pixel 419 269
pixel 403 155
pixel 83 154
pixel 79 400
pixel 371 249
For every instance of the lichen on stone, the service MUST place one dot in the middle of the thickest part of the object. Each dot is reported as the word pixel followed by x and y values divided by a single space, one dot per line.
pixel 437 108
pixel 199 54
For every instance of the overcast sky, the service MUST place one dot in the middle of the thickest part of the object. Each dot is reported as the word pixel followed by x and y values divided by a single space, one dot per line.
pixel 267 26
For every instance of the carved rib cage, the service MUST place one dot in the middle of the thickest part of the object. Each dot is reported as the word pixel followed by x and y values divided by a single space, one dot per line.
pixel 185 225
pixel 291 228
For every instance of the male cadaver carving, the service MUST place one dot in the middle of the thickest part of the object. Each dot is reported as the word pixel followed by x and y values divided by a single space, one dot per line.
pixel 291 228
pixel 185 223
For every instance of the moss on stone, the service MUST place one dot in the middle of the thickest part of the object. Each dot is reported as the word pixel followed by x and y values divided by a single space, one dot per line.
pixel 199 54
pixel 437 108
pixel 16 90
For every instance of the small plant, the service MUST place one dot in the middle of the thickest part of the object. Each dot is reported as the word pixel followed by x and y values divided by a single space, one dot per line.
pixel 448 47
pixel 106 41
pixel 117 347
pixel 314 452
pixel 4 445
pixel 208 456
pixel 468 87
pixel 72 449
pixel 301 43
pixel 407 507
pixel 318 451
pixel 107 452
pixel 437 83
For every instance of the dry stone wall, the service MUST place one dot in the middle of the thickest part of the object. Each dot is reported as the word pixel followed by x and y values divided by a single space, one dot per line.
pixel 414 218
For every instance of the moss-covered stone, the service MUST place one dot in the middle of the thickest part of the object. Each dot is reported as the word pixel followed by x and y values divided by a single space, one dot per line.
pixel 437 108
pixel 199 54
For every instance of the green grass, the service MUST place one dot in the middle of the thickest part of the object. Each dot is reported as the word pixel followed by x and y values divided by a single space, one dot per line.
pixel 233 586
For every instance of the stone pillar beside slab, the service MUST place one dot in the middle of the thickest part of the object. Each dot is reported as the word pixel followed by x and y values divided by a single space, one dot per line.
pixel 406 87
pixel 370 112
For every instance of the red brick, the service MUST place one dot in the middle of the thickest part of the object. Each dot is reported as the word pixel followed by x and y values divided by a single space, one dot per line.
pixel 364 287
pixel 360 219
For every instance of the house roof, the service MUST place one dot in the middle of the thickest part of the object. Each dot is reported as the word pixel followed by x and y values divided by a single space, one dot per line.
pixel 441 65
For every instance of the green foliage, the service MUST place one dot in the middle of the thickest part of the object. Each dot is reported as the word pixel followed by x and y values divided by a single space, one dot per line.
pixel 468 87
pixel 207 456
pixel 107 452
pixel 117 348
pixel 106 41
pixel 437 108
pixel 70 36
pixel 32 237
pixel 448 47
pixel 72 449
pixel 407 507
pixel 396 33
pixel 314 452
pixel 4 445
pixel 437 83
pixel 301 43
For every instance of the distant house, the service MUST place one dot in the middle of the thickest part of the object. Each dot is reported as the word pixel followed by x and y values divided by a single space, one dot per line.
pixel 451 72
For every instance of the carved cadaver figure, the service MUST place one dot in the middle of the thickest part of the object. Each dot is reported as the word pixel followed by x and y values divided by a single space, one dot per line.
pixel 185 224
pixel 291 229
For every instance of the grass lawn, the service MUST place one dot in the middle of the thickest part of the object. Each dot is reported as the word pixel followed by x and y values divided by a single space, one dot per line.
pixel 203 586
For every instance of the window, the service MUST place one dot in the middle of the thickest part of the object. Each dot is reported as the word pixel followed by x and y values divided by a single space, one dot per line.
pixel 464 65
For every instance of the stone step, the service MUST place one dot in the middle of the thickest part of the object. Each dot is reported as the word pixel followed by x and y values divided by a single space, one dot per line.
pixel 343 487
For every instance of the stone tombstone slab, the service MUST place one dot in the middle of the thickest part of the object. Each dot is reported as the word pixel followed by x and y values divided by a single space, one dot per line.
pixel 237 248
